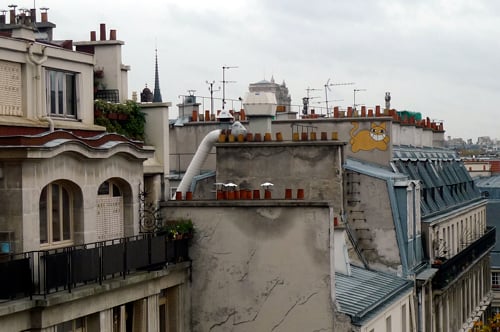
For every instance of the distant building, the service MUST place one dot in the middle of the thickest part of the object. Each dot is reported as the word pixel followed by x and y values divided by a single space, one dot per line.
pixel 283 97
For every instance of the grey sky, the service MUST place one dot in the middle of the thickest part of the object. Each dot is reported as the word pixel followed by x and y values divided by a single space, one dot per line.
pixel 436 57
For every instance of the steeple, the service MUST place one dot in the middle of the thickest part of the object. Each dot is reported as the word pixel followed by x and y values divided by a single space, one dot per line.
pixel 156 93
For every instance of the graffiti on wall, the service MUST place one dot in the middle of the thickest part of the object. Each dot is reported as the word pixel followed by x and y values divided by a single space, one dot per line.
pixel 369 139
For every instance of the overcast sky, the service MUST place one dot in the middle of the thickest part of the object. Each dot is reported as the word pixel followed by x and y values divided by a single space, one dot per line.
pixel 436 57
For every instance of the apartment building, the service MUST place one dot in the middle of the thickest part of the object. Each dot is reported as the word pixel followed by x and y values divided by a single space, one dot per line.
pixel 409 207
pixel 74 253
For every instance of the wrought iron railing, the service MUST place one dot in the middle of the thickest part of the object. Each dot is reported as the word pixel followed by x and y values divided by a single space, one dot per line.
pixel 38 273
pixel 450 269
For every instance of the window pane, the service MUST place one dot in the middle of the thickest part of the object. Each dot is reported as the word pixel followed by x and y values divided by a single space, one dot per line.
pixel 52 82
pixel 66 215
pixel 56 228
pixel 103 188
pixel 116 191
pixel 65 327
pixel 70 95
pixel 60 93
pixel 43 216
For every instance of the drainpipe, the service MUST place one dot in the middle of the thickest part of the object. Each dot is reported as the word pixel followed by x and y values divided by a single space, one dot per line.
pixel 198 160
pixel 38 85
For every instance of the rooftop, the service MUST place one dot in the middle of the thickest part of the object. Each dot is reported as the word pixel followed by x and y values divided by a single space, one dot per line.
pixel 364 293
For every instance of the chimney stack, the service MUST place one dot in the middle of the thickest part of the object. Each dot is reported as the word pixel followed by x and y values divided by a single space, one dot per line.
pixel 12 14
pixel 45 16
pixel 33 15
pixel 3 16
pixel 103 31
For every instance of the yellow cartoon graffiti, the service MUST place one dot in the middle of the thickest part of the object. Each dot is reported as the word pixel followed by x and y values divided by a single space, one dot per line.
pixel 374 138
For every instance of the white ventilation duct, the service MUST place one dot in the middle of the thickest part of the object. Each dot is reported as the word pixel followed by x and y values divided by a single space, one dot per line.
pixel 201 155
pixel 199 158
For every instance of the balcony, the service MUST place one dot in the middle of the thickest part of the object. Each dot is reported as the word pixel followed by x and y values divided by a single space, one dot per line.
pixel 38 273
pixel 449 270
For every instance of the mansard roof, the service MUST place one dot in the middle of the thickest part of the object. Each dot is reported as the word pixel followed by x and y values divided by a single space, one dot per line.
pixel 445 182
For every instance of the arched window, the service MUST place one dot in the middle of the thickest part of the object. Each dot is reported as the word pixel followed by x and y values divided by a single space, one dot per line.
pixel 56 215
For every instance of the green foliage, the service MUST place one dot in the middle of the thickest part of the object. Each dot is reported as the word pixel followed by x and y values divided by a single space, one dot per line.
pixel 179 228
pixel 125 119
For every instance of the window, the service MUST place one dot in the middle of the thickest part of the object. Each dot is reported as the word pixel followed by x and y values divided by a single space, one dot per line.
pixel 76 325
pixel 108 188
pixel 388 324
pixel 61 93
pixel 56 215
pixel 495 280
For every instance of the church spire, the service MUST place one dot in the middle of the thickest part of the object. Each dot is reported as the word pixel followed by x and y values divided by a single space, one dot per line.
pixel 157 93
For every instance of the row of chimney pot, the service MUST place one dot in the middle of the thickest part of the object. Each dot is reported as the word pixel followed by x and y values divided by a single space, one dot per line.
pixel 200 117
pixel 244 194
pixel 226 136
pixel 25 16
pixel 102 33
pixel 424 123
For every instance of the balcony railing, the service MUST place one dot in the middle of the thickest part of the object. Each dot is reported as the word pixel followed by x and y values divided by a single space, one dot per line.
pixel 453 267
pixel 38 273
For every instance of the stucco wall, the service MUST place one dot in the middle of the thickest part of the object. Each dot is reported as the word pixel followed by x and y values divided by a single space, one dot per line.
pixel 396 313
pixel 11 185
pixel 259 267
pixel 370 215
pixel 33 175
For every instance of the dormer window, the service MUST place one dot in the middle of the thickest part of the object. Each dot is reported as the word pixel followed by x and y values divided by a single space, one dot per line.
pixel 61 93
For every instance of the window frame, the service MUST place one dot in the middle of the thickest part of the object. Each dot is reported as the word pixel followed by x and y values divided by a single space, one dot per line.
pixel 63 211
pixel 495 280
pixel 60 80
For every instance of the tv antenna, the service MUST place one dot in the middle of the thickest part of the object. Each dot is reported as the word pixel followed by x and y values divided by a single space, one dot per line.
pixel 305 100
pixel 354 102
pixel 211 89
pixel 327 88
pixel 224 68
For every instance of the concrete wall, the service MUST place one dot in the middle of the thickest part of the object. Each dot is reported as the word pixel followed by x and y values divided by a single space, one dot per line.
pixel 359 145
pixel 259 266
pixel 315 167
pixel 86 301
pixel 184 141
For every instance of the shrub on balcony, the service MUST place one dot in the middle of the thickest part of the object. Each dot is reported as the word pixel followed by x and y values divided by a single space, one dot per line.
pixel 125 119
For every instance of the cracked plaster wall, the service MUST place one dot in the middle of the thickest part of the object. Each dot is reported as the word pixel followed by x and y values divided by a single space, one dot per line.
pixel 374 201
pixel 314 167
pixel 259 268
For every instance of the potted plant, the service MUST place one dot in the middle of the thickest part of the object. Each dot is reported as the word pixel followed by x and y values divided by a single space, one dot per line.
pixel 122 118
pixel 178 229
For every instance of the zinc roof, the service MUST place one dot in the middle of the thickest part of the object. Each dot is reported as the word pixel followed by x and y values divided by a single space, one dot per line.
pixel 364 293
